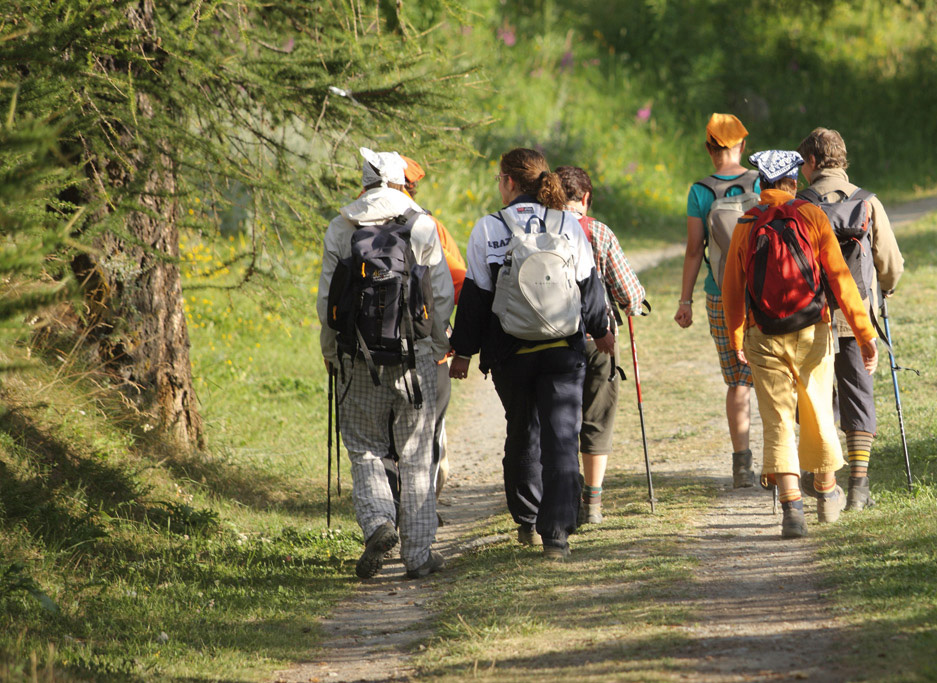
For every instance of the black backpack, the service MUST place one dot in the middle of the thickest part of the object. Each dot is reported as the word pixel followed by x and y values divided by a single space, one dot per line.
pixel 380 300
pixel 851 220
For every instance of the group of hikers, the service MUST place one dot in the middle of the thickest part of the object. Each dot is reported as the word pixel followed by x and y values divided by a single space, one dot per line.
pixel 540 294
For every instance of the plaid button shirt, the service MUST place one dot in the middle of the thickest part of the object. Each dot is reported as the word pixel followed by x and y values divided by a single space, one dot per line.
pixel 614 270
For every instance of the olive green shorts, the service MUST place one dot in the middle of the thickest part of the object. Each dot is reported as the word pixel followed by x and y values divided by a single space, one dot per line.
pixel 599 401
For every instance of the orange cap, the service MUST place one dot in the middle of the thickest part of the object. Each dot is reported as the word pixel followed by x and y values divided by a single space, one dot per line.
pixel 414 172
pixel 725 130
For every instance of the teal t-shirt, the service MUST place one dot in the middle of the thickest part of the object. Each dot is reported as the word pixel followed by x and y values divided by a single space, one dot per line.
pixel 697 205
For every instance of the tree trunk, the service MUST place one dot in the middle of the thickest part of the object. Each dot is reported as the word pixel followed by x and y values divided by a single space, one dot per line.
pixel 136 322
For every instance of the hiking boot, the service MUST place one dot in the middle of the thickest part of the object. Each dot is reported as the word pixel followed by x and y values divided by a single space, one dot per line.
pixel 589 513
pixel 830 505
pixel 743 476
pixel 556 553
pixel 372 559
pixel 433 563
pixel 793 525
pixel 527 535
pixel 806 485
pixel 859 496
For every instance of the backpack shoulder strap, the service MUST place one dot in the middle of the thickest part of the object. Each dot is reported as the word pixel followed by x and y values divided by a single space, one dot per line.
pixel 808 194
pixel 586 223
pixel 553 221
pixel 720 187
pixel 513 228
pixel 753 214
pixel 861 194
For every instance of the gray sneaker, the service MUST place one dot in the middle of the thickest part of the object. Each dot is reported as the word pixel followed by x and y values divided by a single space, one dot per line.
pixel 743 476
pixel 433 563
pixel 379 543
pixel 829 506
pixel 859 497
pixel 527 535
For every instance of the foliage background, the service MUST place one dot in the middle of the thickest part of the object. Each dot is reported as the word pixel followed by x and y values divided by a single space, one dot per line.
pixel 109 540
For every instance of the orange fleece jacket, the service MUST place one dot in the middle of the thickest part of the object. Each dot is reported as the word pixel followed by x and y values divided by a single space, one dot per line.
pixel 824 246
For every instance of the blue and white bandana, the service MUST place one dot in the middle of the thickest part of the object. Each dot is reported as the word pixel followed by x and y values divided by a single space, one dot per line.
pixel 774 164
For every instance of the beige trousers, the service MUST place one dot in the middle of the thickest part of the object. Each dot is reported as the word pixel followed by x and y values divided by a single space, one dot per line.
pixel 793 379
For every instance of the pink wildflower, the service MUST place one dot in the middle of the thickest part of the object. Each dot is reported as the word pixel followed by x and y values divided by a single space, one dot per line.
pixel 507 35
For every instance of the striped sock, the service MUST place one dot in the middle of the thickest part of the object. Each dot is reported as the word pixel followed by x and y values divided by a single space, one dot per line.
pixel 858 448
pixel 790 496
pixel 824 490
pixel 592 494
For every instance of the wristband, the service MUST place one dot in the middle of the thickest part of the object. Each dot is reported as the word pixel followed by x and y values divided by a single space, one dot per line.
pixel 686 302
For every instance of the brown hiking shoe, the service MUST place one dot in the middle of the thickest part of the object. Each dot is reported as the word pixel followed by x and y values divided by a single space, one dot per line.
pixel 379 543
pixel 527 535
pixel 859 497
pixel 830 505
pixel 793 525
pixel 556 553
pixel 743 476
pixel 589 513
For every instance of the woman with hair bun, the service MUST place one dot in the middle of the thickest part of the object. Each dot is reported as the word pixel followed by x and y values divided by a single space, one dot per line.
pixel 539 381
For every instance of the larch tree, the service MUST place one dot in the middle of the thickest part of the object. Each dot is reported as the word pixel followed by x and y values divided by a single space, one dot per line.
pixel 159 103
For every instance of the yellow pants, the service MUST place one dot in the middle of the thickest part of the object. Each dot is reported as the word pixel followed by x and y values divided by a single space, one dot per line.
pixel 793 378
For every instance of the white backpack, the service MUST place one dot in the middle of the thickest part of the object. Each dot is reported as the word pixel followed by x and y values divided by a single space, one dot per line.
pixel 536 295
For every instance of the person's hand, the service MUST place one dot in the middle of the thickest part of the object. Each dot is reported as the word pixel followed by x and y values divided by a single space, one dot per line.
pixel 869 353
pixel 606 344
pixel 741 356
pixel 328 366
pixel 458 368
pixel 684 316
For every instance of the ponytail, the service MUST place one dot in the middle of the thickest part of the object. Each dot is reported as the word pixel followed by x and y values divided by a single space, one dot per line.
pixel 528 168
pixel 551 193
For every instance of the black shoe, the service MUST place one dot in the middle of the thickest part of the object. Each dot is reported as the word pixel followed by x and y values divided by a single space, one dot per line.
pixel 806 485
pixel 743 476
pixel 433 563
pixel 860 497
pixel 372 559
pixel 793 525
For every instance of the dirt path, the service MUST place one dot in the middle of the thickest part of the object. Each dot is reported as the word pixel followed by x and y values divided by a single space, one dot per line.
pixel 745 574
pixel 371 634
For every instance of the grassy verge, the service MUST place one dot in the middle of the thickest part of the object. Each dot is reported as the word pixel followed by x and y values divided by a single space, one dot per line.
pixel 122 558
pixel 882 562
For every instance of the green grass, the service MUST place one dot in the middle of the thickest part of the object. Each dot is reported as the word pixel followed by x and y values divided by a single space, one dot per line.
pixel 124 558
pixel 883 562
pixel 609 612
pixel 227 553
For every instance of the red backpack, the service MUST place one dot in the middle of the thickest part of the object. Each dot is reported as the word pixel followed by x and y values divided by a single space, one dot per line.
pixel 784 286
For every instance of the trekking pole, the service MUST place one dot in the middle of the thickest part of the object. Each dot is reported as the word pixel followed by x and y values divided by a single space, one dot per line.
pixel 894 382
pixel 637 384
pixel 328 484
pixel 338 443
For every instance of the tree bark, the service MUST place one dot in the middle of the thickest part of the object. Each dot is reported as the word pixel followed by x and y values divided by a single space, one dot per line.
pixel 135 323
